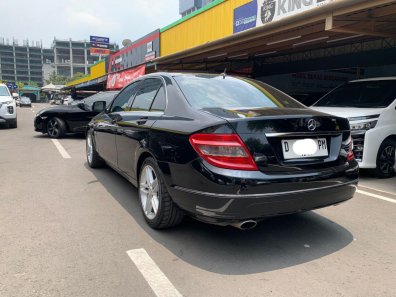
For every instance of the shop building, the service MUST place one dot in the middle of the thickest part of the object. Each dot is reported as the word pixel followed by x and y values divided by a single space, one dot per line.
pixel 302 47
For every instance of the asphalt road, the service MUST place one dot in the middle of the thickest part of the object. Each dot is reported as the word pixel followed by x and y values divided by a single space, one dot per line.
pixel 65 231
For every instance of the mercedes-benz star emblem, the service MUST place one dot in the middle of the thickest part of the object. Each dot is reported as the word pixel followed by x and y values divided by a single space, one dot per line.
pixel 311 125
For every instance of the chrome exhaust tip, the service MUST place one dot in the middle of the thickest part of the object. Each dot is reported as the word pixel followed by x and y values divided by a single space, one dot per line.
pixel 245 225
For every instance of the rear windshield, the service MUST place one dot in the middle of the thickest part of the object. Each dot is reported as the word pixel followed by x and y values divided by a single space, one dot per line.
pixel 4 91
pixel 366 94
pixel 208 91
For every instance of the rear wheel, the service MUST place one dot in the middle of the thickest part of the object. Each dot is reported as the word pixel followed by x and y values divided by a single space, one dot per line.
pixel 93 158
pixel 159 210
pixel 386 159
pixel 56 128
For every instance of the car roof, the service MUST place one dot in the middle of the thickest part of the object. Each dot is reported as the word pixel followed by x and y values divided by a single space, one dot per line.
pixel 375 79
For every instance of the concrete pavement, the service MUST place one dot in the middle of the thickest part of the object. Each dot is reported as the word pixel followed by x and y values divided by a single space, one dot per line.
pixel 65 230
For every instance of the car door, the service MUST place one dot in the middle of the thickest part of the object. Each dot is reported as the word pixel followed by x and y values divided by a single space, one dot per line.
pixel 78 120
pixel 134 128
pixel 105 126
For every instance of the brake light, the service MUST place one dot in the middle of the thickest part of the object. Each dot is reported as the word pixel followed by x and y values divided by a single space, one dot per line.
pixel 350 155
pixel 223 150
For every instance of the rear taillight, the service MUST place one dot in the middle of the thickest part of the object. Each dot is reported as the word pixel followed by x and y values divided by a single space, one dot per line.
pixel 350 155
pixel 223 150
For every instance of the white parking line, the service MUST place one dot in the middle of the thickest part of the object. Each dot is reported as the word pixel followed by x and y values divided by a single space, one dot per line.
pixel 376 190
pixel 158 282
pixel 376 196
pixel 61 149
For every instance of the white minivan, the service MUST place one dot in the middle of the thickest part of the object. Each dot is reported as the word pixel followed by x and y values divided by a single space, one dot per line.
pixel 370 106
pixel 8 114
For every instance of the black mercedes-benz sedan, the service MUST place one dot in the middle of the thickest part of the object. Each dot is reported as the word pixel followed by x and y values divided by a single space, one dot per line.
pixel 224 150
pixel 56 121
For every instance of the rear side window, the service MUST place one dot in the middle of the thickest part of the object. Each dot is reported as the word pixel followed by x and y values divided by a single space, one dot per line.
pixel 208 91
pixel 159 103
pixel 364 94
pixel 146 94
pixel 122 100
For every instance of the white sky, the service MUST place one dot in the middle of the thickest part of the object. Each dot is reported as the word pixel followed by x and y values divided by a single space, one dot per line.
pixel 78 19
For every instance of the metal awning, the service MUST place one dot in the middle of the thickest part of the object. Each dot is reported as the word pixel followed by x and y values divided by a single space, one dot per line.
pixel 335 24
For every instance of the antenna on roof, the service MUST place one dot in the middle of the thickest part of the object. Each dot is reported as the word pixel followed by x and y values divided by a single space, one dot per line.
pixel 224 73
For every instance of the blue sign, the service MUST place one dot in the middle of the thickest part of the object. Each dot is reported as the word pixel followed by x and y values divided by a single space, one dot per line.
pixel 99 39
pixel 245 17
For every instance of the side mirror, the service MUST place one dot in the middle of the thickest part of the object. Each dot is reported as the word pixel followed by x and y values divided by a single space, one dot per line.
pixel 99 106
pixel 81 105
pixel 15 95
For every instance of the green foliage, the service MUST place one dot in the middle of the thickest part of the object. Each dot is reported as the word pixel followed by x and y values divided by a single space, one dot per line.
pixel 77 75
pixel 56 79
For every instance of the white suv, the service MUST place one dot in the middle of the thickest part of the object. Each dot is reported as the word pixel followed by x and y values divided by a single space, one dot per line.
pixel 370 105
pixel 8 114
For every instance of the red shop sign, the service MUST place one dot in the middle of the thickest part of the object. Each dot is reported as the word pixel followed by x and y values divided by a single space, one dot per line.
pixel 118 80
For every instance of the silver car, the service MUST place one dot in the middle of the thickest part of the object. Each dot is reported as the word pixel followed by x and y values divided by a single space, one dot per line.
pixel 25 101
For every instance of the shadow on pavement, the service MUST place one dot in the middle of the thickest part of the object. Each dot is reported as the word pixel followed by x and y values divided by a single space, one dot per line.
pixel 274 244
pixel 69 136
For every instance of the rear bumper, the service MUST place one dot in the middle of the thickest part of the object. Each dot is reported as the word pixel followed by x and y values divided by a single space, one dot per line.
pixel 266 197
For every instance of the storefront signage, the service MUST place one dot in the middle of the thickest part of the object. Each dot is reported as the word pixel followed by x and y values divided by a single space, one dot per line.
pixel 150 47
pixel 100 46
pixel 99 39
pixel 149 57
pixel 260 12
pixel 140 51
pixel 99 52
pixel 118 80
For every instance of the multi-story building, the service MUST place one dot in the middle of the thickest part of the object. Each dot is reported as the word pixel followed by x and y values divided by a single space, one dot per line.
pixel 31 62
pixel 22 63
pixel 72 57
pixel 188 6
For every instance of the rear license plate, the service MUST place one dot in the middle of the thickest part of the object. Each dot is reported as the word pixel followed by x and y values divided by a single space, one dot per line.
pixel 304 148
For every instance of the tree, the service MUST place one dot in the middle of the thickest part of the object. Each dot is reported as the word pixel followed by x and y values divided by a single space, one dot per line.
pixel 56 79
pixel 77 75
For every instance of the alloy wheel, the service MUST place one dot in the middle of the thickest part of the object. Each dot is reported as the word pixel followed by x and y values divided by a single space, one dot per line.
pixel 387 160
pixel 149 192
pixel 53 128
pixel 89 148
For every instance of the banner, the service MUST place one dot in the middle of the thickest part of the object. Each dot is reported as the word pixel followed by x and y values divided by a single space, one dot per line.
pixel 116 81
pixel 99 51
pixel 260 12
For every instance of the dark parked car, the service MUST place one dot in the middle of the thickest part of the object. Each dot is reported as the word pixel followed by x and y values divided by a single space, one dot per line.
pixel 56 121
pixel 225 150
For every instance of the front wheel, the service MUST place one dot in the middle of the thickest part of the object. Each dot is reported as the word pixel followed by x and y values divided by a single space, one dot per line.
pixel 56 128
pixel 93 158
pixel 158 208
pixel 386 159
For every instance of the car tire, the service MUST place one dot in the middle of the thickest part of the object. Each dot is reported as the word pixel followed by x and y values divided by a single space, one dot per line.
pixel 13 124
pixel 93 158
pixel 386 159
pixel 159 210
pixel 56 128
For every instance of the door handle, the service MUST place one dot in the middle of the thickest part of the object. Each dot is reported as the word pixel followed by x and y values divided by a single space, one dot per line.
pixel 142 121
